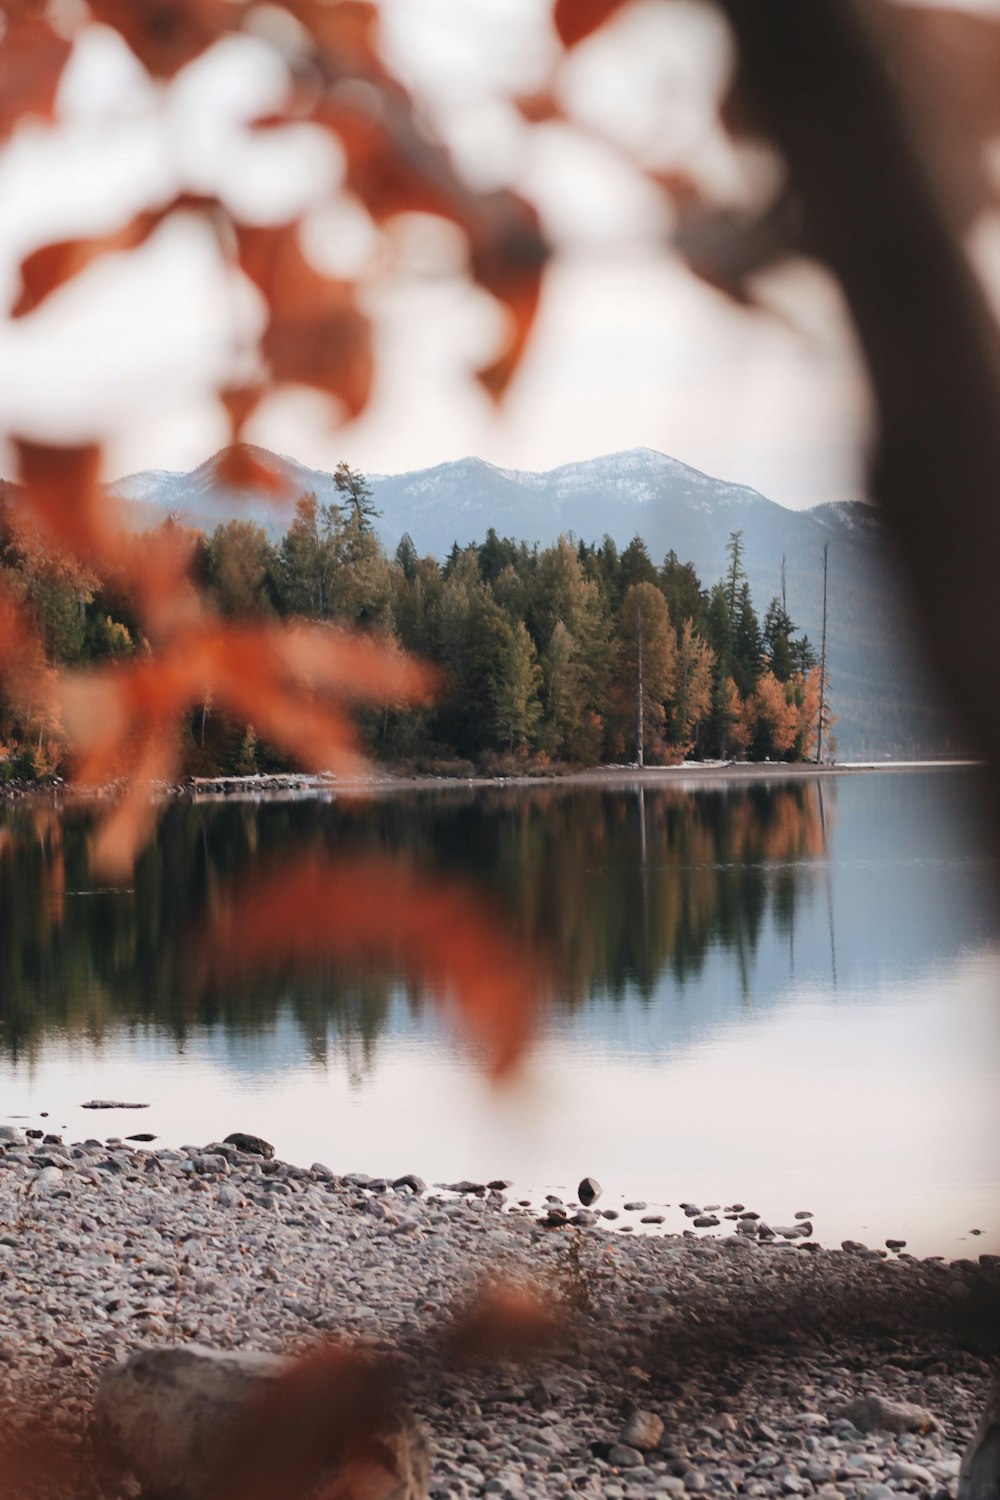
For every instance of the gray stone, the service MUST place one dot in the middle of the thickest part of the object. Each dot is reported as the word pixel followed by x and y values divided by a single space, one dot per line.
pixel 635 1207
pixel 167 1414
pixel 411 1181
pixel 111 1104
pixel 589 1191
pixel 643 1429
pixel 250 1145
pixel 624 1457
pixel 705 1221
pixel 979 1474
pixel 873 1413
pixel 912 1474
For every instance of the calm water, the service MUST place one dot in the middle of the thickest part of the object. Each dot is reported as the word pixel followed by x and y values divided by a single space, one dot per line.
pixel 784 995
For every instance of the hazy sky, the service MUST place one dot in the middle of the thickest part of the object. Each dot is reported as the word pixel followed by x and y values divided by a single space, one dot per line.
pixel 630 350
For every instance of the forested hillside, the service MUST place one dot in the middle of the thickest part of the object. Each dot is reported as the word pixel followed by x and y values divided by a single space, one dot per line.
pixel 577 653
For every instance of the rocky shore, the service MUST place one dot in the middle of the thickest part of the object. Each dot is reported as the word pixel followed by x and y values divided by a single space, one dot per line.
pixel 723 1365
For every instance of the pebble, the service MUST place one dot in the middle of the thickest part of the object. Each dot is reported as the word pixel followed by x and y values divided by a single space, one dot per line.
pixel 233 1248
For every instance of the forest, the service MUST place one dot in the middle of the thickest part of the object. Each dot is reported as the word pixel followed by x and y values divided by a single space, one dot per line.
pixel 577 654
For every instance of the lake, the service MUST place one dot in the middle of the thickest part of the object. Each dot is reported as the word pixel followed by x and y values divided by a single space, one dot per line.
pixel 781 993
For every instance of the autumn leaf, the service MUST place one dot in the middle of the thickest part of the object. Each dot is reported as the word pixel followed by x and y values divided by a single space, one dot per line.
pixel 576 19
pixel 62 488
pixel 34 1456
pixel 32 58
pixel 239 468
pixel 374 911
pixel 347 32
pixel 508 259
pixel 329 1408
pixel 289 681
pixel 167 34
pixel 501 1322
pixel 316 334
pixel 50 267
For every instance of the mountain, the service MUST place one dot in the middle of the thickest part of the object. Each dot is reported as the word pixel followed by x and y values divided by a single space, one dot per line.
pixel 880 693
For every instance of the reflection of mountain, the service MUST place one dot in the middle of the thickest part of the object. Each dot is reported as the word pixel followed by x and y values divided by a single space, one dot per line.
pixel 668 913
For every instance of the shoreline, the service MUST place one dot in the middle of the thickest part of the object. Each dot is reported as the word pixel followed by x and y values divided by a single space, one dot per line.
pixel 750 1354
pixel 380 781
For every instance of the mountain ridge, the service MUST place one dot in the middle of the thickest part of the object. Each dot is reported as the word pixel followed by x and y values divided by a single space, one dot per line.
pixel 880 690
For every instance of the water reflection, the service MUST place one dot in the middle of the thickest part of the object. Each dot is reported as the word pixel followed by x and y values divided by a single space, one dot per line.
pixel 638 895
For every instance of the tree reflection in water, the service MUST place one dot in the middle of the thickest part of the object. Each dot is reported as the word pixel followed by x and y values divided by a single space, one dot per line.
pixel 616 887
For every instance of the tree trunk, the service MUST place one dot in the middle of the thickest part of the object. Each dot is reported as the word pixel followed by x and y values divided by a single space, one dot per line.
pixel 640 726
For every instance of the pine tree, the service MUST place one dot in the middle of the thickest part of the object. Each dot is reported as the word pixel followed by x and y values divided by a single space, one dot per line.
pixel 516 681
pixel 777 640
pixel 354 487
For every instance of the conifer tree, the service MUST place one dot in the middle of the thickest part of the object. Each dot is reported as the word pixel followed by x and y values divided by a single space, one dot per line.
pixel 647 660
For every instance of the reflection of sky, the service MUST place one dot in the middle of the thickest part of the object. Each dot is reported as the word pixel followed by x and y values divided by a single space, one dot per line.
pixel 880 1117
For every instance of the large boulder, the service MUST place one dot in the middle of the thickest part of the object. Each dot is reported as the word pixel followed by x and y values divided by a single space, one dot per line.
pixel 252 1145
pixel 979 1476
pixel 170 1414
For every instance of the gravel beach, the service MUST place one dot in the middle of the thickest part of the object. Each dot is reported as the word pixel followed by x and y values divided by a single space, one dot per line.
pixel 749 1353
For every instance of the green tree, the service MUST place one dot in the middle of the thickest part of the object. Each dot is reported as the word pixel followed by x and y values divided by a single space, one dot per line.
pixel 308 558
pixel 682 590
pixel 356 491
pixel 242 569
pixel 516 681
pixel 777 640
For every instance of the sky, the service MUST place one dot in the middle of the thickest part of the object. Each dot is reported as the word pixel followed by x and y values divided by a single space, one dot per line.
pixel 630 350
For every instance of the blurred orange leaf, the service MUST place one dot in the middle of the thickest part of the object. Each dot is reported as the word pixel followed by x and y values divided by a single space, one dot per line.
pixel 63 494
pixel 576 19
pixel 166 34
pixel 327 1410
pixel 316 334
pixel 125 719
pixel 373 910
pixel 239 467
pixel 346 30
pixel 501 1322
pixel 32 58
pixel 50 267
pixel 33 1458
pixel 508 259
pixel 63 491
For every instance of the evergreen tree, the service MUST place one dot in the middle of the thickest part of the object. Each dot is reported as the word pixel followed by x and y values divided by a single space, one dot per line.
pixel 242 570
pixel 514 689
pixel 747 644
pixel 735 573
pixel 407 557
pixel 356 491
pixel 308 558
pixel 682 590
pixel 777 641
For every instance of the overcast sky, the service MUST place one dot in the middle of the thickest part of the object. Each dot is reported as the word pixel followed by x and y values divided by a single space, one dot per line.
pixel 630 350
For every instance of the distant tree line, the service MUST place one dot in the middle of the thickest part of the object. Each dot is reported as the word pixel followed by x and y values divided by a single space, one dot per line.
pixel 576 653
